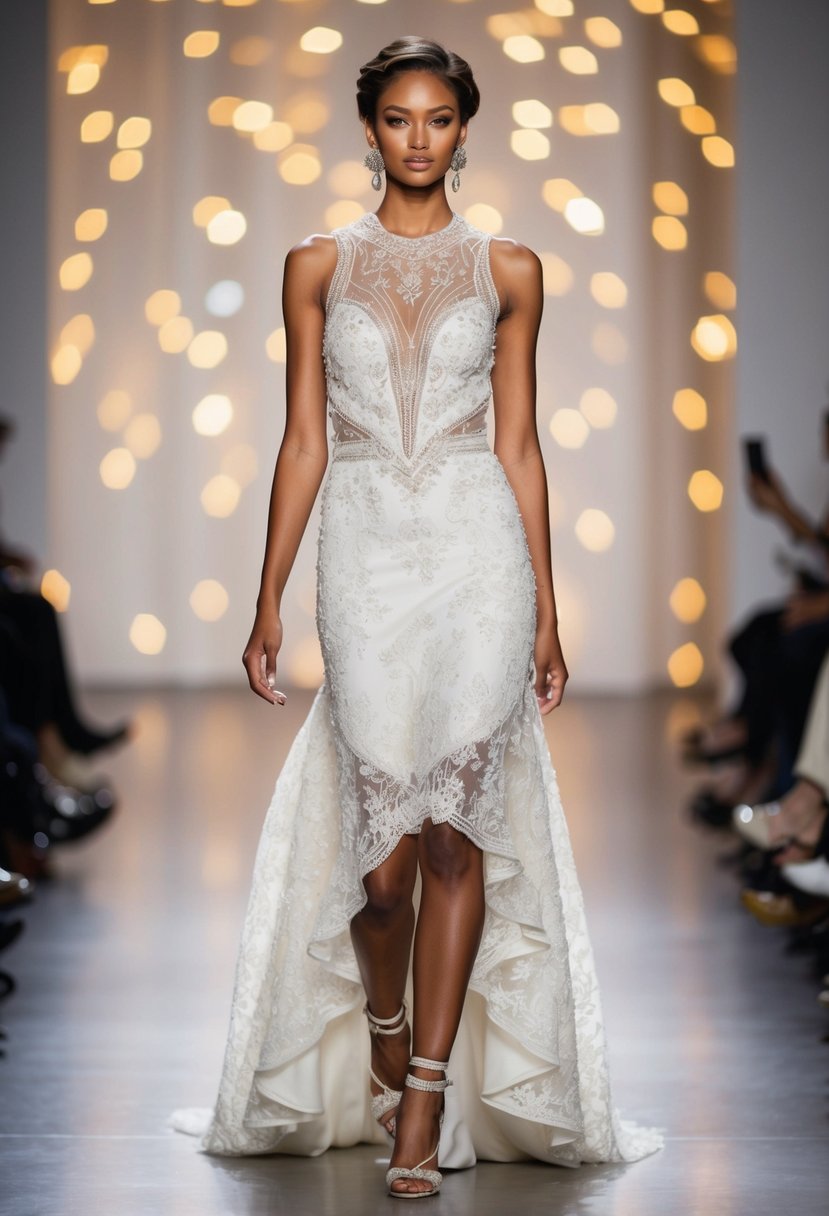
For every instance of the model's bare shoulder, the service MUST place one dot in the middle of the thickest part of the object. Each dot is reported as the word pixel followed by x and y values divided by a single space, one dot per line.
pixel 516 270
pixel 310 265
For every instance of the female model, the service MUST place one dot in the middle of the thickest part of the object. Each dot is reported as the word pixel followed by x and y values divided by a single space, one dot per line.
pixel 422 773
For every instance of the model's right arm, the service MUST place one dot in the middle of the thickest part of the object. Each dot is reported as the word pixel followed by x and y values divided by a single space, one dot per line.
pixel 303 453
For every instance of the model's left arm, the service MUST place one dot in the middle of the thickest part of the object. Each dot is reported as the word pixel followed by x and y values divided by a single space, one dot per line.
pixel 518 277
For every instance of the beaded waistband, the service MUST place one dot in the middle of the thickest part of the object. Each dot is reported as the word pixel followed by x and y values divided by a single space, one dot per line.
pixel 370 449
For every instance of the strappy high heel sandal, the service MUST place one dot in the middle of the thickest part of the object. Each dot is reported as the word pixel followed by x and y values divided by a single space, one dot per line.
pixel 389 1099
pixel 417 1171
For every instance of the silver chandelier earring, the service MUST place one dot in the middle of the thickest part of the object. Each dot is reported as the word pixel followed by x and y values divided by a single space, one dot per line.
pixel 373 159
pixel 457 162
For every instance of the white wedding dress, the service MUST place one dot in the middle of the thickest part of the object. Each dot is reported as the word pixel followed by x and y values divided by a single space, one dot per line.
pixel 426 618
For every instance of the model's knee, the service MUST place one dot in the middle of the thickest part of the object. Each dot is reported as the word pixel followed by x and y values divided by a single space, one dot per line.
pixel 387 895
pixel 446 853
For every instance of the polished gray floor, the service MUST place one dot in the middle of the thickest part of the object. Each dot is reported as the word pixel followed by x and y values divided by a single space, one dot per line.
pixel 125 971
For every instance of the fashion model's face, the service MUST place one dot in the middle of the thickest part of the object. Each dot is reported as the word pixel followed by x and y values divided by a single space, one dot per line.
pixel 417 117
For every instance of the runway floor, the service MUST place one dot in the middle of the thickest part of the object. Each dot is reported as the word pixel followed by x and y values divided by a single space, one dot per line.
pixel 125 970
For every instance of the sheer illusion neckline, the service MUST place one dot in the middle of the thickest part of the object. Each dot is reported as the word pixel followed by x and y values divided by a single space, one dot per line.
pixel 427 241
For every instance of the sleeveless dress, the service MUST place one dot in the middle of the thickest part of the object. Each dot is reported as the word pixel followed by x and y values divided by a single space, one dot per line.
pixel 426 618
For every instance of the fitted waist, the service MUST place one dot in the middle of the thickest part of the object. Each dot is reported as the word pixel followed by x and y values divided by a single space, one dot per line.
pixel 361 448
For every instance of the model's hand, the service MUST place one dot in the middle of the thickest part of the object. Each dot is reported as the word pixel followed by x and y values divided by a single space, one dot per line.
pixel 260 654
pixel 550 671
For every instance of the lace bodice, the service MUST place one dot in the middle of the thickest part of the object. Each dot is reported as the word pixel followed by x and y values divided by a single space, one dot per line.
pixel 409 336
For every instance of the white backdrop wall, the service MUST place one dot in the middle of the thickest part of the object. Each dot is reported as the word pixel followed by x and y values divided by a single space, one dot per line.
pixel 143 548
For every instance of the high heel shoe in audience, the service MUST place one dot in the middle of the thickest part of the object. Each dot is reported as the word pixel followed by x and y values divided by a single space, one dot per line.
pixel 781 911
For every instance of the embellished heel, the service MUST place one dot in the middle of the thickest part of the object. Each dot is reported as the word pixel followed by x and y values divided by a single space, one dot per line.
pixel 389 1099
pixel 417 1171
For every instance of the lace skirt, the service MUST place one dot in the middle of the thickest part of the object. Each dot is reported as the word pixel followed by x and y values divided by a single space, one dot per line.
pixel 426 616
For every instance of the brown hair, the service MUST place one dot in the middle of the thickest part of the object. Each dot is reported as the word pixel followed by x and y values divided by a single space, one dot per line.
pixel 407 54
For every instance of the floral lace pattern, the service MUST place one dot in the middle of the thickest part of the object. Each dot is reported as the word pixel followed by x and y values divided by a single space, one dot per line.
pixel 426 618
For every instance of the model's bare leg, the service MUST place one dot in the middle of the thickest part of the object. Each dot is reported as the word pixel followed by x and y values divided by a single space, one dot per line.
pixel 449 927
pixel 381 933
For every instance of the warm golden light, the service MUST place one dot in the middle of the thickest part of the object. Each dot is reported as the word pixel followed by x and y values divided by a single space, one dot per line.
pixel 134 132
pixel 718 151
pixel 569 428
pixel 532 113
pixel 717 52
pixel 578 60
pixel 209 600
pixel 557 274
pixel 678 21
pixel 201 43
pixel 558 191
pixel 595 530
pixel 75 271
pixel 598 407
pixel 697 120
pixel 274 137
pixel 685 665
pixel 321 40
pixel 530 145
pixel 523 48
pixel 670 198
pixel 687 601
pixel 79 331
pixel 126 165
pixel 91 224
pixel 720 289
pixel 147 633
pixel 595 118
pixel 555 8
pixel 65 364
pixel 487 218
pixel 82 78
pixel 585 216
pixel 608 289
pixel 705 490
pixel 143 435
pixel 117 468
pixel 213 414
pixel 648 6
pixel 207 348
pixel 307 112
pixel 675 91
pixel 97 126
pixel 252 116
pixel 56 589
pixel 114 409
pixel 603 32
pixel 250 52
pixel 300 165
pixel 220 497
pixel 209 206
pixel 162 305
pixel 221 110
pixel 714 338
pixel 175 335
pixel 690 409
pixel 669 232
pixel 276 345
pixel 226 227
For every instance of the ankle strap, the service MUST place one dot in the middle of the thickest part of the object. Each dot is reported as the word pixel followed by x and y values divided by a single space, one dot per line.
pixel 418 1083
pixel 422 1062
pixel 376 1024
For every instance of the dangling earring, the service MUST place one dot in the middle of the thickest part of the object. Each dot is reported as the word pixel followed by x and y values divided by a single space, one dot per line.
pixel 457 162
pixel 373 159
